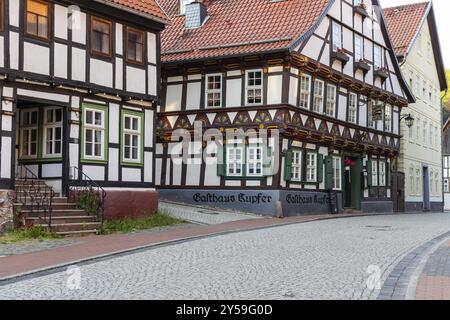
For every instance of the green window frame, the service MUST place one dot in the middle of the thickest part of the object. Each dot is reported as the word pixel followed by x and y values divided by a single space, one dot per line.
pixel 137 133
pixel 289 166
pixel 227 151
pixel 103 128
pixel 382 178
pixel 33 130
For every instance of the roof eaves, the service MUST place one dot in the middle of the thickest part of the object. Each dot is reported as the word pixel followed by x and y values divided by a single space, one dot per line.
pixel 137 12
pixel 416 36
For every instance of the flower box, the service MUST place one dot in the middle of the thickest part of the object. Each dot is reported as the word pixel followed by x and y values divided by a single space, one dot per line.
pixel 381 73
pixel 361 9
pixel 363 66
pixel 340 55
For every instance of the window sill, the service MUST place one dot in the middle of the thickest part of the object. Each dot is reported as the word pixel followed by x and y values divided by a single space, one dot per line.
pixel 132 164
pixel 93 161
pixel 245 178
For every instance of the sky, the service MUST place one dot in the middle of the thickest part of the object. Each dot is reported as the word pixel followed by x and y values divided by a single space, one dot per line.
pixel 441 10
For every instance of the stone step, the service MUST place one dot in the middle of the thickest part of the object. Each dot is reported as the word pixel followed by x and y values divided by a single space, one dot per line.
pixel 70 227
pixel 22 193
pixel 55 206
pixel 62 220
pixel 57 213
pixel 30 183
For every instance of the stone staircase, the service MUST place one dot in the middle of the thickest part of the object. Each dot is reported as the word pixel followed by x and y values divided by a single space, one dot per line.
pixel 67 219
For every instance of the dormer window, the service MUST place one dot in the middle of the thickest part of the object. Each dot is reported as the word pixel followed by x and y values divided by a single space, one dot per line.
pixel 183 4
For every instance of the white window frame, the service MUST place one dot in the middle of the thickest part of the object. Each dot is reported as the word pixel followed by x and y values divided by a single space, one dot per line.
pixel 418 181
pixel 337 173
pixel 305 92
pixel 318 96
pixel 382 173
pixel 412 180
pixel 253 162
pixel 359 48
pixel 330 108
pixel 26 129
pixel 297 162
pixel 237 163
pixel 371 123
pixel 213 91
pixel 337 36
pixel 377 56
pixel 374 173
pixel 388 118
pixel 311 167
pixel 254 87
pixel 132 133
pixel 94 127
pixel 353 108
pixel 424 132
pixel 53 126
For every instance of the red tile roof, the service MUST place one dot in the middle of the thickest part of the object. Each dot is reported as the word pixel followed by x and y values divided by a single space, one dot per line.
pixel 236 27
pixel 150 7
pixel 403 23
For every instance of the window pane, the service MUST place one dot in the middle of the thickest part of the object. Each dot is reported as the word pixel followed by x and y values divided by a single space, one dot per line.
pixel 127 123
pixel 32 23
pixel 89 117
pixel 58 115
pixel 42 27
pixel 98 118
pixel 135 124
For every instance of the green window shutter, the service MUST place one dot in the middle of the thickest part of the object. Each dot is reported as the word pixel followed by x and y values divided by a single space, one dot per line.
pixel 320 168
pixel 267 164
pixel 329 173
pixel 221 162
pixel 369 172
pixel 288 165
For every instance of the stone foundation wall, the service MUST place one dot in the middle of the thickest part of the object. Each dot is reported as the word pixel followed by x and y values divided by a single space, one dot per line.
pixel 6 210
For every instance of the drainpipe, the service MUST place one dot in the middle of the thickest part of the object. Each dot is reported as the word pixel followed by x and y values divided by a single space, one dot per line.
pixel 442 148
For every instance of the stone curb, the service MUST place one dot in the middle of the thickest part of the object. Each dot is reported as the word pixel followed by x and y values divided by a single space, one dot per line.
pixel 86 261
pixel 402 280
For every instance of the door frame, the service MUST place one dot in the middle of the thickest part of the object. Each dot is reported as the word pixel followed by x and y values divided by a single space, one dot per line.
pixel 355 173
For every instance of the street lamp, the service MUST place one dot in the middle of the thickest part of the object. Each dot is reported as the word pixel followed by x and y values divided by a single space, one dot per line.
pixel 409 120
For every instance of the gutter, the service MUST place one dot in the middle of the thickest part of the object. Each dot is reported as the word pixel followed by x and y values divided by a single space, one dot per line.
pixel 442 148
pixel 133 11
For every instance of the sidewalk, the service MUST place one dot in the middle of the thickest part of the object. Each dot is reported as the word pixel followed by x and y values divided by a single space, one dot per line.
pixel 434 281
pixel 95 247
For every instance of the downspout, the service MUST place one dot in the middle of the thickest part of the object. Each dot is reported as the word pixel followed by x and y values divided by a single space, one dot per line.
pixel 442 148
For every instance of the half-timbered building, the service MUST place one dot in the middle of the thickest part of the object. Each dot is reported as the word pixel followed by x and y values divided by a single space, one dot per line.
pixel 322 79
pixel 416 42
pixel 79 84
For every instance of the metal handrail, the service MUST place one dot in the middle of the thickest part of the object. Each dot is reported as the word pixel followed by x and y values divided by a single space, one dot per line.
pixel 35 194
pixel 90 186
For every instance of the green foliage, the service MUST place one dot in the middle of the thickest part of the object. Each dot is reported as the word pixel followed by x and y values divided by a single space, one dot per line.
pixel 159 219
pixel 88 202
pixel 33 233
pixel 447 97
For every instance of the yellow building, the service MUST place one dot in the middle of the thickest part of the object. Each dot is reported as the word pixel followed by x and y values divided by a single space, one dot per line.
pixel 414 34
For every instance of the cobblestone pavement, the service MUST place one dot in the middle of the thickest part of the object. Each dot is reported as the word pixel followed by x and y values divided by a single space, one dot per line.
pixel 9 249
pixel 318 260
pixel 200 215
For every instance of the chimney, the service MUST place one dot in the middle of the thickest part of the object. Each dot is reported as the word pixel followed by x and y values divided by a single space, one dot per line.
pixel 195 14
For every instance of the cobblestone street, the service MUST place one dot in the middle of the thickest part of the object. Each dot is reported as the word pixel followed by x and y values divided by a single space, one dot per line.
pixel 317 260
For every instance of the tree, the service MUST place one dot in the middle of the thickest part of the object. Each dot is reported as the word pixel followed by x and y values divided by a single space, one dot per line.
pixel 447 97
